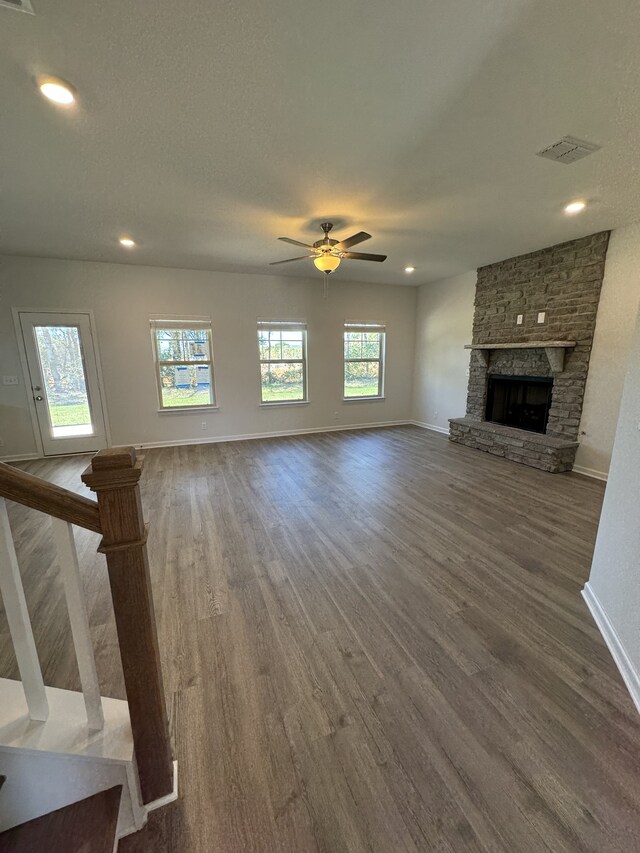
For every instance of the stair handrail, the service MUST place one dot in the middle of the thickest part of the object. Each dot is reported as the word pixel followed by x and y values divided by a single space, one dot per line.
pixel 39 494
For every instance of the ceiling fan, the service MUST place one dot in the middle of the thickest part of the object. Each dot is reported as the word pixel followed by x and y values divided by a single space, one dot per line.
pixel 328 253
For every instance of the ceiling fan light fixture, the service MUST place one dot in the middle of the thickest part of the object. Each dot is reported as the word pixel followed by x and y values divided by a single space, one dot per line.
pixel 327 253
pixel 326 263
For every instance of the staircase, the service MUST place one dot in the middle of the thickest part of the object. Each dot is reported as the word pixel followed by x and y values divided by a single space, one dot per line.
pixel 88 826
pixel 77 765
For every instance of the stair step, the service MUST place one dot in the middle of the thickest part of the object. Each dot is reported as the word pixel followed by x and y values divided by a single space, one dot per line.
pixel 88 826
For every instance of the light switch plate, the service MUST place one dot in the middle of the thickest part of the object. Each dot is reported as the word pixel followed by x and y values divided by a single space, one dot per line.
pixel 542 316
pixel 519 319
pixel 9 380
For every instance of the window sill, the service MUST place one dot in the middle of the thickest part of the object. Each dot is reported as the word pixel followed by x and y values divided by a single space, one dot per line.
pixel 186 410
pixel 375 399
pixel 284 403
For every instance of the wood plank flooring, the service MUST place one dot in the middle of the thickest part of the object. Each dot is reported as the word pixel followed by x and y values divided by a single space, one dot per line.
pixel 372 641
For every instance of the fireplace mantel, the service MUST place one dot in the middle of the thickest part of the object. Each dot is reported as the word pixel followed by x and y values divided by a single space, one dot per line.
pixel 555 350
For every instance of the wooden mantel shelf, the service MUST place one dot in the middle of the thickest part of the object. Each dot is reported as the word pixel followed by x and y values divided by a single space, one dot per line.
pixel 525 345
pixel 555 350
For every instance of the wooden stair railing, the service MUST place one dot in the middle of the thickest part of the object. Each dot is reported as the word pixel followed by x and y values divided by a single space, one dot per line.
pixel 114 475
pixel 25 489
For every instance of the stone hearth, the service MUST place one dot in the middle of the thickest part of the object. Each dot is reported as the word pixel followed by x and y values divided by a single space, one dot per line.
pixel 530 448
pixel 564 281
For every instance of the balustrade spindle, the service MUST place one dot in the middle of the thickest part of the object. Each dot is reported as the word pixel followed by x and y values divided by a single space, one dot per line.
pixel 17 614
pixel 76 605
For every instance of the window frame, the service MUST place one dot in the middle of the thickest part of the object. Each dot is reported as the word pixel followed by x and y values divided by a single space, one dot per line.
pixel 176 323
pixel 381 329
pixel 282 326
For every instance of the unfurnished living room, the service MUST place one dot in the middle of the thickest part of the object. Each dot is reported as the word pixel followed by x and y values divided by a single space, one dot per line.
pixel 319 426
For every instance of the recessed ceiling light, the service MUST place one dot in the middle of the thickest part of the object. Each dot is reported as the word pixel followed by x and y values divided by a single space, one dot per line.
pixel 127 242
pixel 57 90
pixel 575 207
pixel 409 269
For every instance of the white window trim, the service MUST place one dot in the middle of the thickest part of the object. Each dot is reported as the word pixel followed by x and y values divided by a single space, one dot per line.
pixel 187 410
pixel 165 321
pixel 281 326
pixel 381 329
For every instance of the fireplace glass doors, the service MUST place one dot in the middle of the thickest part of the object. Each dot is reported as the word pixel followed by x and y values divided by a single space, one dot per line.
pixel 519 401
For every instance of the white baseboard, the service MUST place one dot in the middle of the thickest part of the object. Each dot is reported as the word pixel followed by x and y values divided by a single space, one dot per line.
pixel 591 472
pixel 432 427
pixel 624 663
pixel 20 457
pixel 217 439
pixel 168 798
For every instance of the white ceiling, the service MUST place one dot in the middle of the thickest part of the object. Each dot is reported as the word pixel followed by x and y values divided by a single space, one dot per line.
pixel 208 129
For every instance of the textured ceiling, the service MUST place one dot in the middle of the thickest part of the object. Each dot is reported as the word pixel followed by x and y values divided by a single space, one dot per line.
pixel 208 129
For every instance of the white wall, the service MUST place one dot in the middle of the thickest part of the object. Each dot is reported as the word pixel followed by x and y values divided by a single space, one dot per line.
pixel 613 590
pixel 124 296
pixel 444 321
pixel 619 302
pixel 444 326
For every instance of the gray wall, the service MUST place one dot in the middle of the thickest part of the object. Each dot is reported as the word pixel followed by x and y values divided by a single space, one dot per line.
pixel 443 326
pixel 613 590
pixel 124 296
pixel 619 304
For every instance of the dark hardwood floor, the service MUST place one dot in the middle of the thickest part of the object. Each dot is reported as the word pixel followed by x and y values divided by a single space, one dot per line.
pixel 372 641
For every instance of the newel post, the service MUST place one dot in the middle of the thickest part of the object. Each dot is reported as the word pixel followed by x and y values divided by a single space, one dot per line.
pixel 113 475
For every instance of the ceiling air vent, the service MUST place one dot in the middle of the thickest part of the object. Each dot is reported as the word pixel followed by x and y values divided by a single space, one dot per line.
pixel 18 5
pixel 568 150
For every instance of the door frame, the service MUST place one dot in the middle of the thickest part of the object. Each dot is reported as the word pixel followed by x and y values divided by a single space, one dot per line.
pixel 26 376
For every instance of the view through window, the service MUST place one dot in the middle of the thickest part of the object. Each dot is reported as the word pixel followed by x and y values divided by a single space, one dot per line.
pixel 363 360
pixel 283 361
pixel 65 387
pixel 184 363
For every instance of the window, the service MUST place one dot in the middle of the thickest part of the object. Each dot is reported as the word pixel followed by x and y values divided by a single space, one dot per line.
pixel 363 360
pixel 283 361
pixel 184 363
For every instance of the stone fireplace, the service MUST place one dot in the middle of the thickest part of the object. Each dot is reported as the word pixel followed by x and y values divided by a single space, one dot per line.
pixel 532 333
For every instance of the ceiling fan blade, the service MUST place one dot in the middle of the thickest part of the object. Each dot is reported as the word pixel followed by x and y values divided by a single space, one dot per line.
pixel 360 237
pixel 362 256
pixel 295 242
pixel 288 261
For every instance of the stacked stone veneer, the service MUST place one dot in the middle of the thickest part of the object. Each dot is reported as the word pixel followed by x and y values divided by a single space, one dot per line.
pixel 565 282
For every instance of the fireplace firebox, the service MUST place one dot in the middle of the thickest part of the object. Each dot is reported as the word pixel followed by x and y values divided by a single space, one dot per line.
pixel 519 401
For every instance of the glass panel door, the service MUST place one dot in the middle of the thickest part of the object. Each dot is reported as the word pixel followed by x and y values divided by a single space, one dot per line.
pixel 65 384
pixel 64 381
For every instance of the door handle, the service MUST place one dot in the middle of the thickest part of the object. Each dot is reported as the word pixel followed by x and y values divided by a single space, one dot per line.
pixel 38 398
